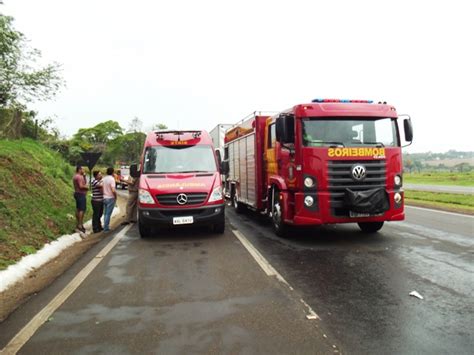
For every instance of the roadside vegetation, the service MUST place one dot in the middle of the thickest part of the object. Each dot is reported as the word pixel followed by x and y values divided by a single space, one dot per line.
pixel 440 178
pixel 446 201
pixel 36 203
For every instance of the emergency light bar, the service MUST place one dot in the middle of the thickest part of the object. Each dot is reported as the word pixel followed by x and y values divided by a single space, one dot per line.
pixel 344 101
pixel 159 134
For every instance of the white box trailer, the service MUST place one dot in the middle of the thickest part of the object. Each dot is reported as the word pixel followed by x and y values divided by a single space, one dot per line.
pixel 218 134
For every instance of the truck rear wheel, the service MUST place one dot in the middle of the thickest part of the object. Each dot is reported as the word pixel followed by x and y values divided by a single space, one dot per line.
pixel 239 206
pixel 280 227
pixel 370 227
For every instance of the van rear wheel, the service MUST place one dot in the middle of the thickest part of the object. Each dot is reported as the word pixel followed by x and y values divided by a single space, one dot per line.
pixel 370 227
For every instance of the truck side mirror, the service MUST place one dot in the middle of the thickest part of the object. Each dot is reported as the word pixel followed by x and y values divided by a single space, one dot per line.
pixel 225 167
pixel 285 129
pixel 134 171
pixel 408 128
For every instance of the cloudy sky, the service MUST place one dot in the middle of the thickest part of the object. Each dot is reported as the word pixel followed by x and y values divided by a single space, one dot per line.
pixel 194 64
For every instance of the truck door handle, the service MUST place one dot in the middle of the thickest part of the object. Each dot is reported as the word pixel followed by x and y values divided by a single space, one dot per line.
pixel 279 163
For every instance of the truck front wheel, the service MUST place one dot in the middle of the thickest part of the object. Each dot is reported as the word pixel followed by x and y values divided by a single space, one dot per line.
pixel 281 229
pixel 370 227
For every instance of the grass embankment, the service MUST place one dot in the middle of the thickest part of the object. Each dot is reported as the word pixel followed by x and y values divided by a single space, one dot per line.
pixel 35 198
pixel 440 178
pixel 445 201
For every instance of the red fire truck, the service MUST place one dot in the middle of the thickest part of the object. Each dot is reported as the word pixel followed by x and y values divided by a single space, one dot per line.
pixel 180 181
pixel 329 161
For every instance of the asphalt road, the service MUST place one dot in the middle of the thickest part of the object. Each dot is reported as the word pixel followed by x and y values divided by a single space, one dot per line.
pixel 360 284
pixel 465 190
pixel 195 292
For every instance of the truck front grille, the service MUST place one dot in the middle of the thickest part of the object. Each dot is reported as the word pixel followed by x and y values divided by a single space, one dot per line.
pixel 340 178
pixel 193 198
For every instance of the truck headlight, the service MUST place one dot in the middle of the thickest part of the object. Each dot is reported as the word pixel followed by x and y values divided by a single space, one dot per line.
pixel 397 198
pixel 397 180
pixel 308 201
pixel 216 194
pixel 144 196
pixel 308 182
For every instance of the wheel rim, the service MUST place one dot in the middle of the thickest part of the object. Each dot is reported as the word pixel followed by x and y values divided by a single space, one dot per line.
pixel 277 215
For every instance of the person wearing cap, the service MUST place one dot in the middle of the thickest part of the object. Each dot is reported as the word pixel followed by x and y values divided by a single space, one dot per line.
pixel 80 191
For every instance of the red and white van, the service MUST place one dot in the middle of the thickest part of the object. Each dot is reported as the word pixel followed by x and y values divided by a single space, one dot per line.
pixel 180 181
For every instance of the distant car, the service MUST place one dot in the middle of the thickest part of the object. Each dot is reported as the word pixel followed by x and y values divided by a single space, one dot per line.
pixel 122 177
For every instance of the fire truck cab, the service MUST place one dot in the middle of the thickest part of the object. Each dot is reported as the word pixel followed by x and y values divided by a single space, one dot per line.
pixel 180 182
pixel 328 161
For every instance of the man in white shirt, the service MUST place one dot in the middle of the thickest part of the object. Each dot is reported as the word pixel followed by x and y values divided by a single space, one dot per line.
pixel 110 197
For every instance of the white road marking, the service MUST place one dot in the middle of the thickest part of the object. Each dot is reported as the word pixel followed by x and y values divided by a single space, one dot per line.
pixel 438 211
pixel 42 316
pixel 270 270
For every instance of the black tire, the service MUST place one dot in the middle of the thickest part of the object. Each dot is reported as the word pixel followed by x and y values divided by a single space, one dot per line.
pixel 280 227
pixel 239 207
pixel 370 227
pixel 219 228
pixel 145 231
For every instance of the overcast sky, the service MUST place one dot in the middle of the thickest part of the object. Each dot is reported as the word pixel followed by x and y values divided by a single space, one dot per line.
pixel 194 64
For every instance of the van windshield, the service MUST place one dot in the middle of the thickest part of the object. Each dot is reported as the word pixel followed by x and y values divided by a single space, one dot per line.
pixel 179 159
pixel 320 132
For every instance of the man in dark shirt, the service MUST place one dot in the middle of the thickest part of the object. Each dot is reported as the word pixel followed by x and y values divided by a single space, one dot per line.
pixel 80 191
pixel 97 202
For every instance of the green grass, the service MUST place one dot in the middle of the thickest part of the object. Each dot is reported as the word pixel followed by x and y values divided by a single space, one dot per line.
pixel 440 178
pixel 455 201
pixel 36 197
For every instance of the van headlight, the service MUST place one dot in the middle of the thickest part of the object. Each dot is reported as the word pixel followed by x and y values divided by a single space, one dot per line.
pixel 144 196
pixel 216 194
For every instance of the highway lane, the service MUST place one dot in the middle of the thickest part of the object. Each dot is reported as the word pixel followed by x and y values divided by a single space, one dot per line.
pixel 181 292
pixel 360 284
pixel 465 190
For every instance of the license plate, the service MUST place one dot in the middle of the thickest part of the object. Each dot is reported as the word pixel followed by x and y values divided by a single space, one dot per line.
pixel 183 220
pixel 357 214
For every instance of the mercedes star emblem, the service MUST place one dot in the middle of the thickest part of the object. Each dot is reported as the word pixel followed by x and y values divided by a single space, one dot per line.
pixel 358 172
pixel 182 199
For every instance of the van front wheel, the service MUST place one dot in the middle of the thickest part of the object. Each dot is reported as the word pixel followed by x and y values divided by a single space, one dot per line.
pixel 145 231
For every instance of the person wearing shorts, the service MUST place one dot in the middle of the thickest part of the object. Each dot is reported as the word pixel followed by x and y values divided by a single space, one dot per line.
pixel 80 191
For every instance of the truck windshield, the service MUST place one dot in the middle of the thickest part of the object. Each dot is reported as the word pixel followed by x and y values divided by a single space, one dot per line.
pixel 321 132
pixel 179 159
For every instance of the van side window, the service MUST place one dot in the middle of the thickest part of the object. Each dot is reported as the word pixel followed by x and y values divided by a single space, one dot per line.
pixel 271 135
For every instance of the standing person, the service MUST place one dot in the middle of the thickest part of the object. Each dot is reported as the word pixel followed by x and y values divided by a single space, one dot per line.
pixel 110 197
pixel 132 200
pixel 97 201
pixel 80 191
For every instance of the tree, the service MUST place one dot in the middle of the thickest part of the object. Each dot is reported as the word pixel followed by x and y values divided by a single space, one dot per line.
pixel 99 135
pixel 21 79
pixel 158 126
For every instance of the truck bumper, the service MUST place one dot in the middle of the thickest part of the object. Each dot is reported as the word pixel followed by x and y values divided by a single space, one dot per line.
pixel 161 217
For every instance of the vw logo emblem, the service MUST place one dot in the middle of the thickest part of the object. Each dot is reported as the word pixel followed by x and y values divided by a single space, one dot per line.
pixel 358 172
pixel 182 199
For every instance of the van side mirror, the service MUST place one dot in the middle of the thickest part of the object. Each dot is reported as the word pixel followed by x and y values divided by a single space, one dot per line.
pixel 218 155
pixel 134 171
pixel 408 128
pixel 285 129
pixel 224 167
